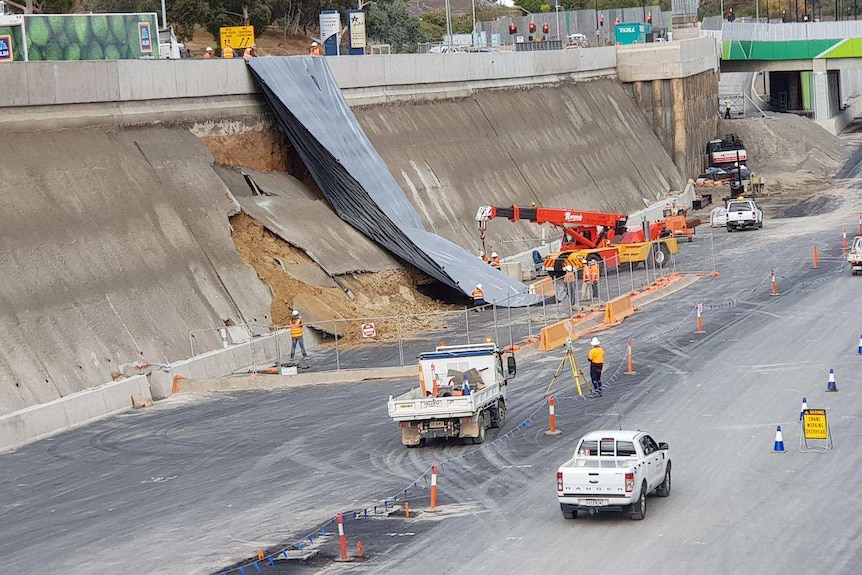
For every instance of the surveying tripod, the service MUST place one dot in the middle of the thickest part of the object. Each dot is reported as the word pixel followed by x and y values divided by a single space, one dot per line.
pixel 577 373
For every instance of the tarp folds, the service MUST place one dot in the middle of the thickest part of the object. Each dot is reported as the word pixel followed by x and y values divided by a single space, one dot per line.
pixel 356 181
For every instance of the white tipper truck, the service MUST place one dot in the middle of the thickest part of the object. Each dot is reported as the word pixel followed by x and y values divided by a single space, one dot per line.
pixel 854 257
pixel 461 393
pixel 613 470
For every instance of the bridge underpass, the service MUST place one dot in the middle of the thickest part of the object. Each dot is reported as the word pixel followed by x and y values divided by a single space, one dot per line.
pixel 813 68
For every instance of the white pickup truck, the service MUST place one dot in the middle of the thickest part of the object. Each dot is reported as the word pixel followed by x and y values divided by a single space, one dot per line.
pixel 854 258
pixel 461 393
pixel 743 214
pixel 613 470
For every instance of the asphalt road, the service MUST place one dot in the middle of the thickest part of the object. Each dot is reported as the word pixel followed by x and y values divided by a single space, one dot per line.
pixel 196 484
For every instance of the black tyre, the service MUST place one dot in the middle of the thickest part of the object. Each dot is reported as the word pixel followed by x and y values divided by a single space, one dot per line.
pixel 498 417
pixel 760 225
pixel 637 509
pixel 663 490
pixel 481 438
pixel 570 514
pixel 729 228
pixel 660 254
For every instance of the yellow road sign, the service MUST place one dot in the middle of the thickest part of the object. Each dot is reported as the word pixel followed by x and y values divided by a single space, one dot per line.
pixel 238 36
pixel 814 424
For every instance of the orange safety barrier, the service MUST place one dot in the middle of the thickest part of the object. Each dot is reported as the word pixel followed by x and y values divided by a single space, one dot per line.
pixel 618 309
pixel 816 259
pixel 175 387
pixel 555 335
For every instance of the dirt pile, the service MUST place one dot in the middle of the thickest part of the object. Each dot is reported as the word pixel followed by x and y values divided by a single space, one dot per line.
pixel 376 295
pixel 786 148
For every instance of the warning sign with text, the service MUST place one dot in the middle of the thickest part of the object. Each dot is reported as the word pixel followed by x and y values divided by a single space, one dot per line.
pixel 236 36
pixel 814 424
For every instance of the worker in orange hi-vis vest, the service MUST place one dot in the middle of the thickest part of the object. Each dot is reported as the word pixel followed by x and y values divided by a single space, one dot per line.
pixel 594 277
pixel 314 50
pixel 495 260
pixel 586 292
pixel 227 51
pixel 569 279
pixel 296 335
pixel 478 297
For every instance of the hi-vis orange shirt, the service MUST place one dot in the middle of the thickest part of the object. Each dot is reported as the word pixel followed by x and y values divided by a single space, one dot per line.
pixel 296 328
pixel 478 294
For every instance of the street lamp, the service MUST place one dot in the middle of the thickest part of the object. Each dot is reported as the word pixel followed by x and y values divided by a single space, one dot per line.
pixel 557 8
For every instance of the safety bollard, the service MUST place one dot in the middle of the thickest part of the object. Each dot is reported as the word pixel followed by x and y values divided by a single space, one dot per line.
pixel 261 555
pixel 774 284
pixel 434 487
pixel 407 510
pixel 630 360
pixel 553 417
pixel 816 260
pixel 359 551
pixel 699 309
pixel 342 539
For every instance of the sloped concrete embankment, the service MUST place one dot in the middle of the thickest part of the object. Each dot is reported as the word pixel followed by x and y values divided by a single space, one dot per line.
pixel 579 145
pixel 114 245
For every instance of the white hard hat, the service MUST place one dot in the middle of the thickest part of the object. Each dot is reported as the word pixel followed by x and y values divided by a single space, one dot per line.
pixel 479 286
pixel 481 252
pixel 314 43
pixel 296 313
pixel 254 45
pixel 209 49
pixel 568 268
pixel 595 341
pixel 493 254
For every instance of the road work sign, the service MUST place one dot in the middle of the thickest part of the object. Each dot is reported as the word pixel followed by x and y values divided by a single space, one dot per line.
pixel 814 424
pixel 238 36
pixel 368 330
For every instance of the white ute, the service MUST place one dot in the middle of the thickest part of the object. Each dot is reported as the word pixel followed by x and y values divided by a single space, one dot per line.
pixel 854 258
pixel 743 214
pixel 461 393
pixel 613 470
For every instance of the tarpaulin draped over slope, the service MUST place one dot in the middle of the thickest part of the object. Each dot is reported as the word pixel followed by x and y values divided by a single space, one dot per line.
pixel 356 182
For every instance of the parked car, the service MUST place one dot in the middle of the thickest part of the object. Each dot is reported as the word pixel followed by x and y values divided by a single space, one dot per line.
pixel 575 41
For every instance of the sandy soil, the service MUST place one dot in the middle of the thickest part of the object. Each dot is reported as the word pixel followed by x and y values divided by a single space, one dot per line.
pixel 376 295
pixel 265 151
pixel 272 43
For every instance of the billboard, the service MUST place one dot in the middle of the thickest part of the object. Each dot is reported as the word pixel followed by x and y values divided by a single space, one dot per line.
pixel 91 36
pixel 11 38
pixel 330 26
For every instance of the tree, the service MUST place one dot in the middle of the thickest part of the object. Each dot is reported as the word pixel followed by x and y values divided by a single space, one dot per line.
pixel 183 15
pixel 391 24
pixel 238 13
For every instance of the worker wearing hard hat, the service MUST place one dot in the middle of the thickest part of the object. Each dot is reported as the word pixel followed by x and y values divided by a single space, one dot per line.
pixel 314 50
pixel 484 257
pixel 596 358
pixel 250 52
pixel 570 279
pixel 586 291
pixel 296 335
pixel 594 273
pixel 495 260
pixel 209 53
pixel 478 295
pixel 227 51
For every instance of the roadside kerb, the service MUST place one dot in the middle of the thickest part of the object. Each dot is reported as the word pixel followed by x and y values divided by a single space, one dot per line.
pixel 299 380
pixel 47 419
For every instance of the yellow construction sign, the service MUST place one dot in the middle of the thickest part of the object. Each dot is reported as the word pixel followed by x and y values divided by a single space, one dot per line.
pixel 240 37
pixel 814 424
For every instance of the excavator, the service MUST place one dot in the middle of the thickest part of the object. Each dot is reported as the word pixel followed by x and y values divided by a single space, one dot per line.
pixel 588 236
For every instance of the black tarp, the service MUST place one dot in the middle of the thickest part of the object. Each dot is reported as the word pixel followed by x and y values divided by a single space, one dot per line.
pixel 356 182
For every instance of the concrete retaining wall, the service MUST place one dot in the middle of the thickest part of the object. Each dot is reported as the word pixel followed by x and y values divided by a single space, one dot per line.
pixel 40 421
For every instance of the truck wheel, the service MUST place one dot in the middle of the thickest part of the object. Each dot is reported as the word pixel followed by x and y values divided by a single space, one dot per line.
pixel 480 439
pixel 638 509
pixel 569 514
pixel 760 225
pixel 499 417
pixel 661 255
pixel 729 228
pixel 420 444
pixel 663 490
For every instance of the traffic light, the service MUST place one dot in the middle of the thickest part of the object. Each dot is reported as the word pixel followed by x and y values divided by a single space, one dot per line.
pixel 601 20
pixel 545 28
pixel 513 29
pixel 730 16
pixel 784 15
pixel 617 21
pixel 532 27
pixel 649 18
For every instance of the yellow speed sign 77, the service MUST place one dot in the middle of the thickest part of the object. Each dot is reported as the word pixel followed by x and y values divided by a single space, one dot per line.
pixel 814 424
pixel 238 36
